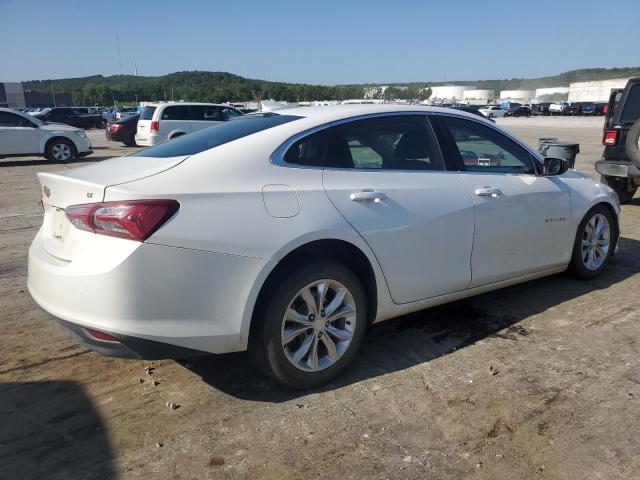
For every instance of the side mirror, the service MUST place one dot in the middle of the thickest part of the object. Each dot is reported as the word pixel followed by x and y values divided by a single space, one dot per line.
pixel 555 166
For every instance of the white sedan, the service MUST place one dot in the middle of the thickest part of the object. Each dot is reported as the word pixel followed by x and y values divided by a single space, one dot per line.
pixel 492 111
pixel 288 233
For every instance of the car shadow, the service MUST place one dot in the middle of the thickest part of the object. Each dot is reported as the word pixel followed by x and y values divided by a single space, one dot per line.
pixel 43 161
pixel 51 429
pixel 422 336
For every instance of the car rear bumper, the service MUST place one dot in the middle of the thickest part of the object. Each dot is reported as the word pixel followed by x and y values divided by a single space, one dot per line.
pixel 617 168
pixel 174 296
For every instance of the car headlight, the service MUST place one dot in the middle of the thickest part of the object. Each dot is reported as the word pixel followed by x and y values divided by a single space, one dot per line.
pixel 81 134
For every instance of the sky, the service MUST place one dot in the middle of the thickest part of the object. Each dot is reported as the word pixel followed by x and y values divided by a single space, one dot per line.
pixel 322 42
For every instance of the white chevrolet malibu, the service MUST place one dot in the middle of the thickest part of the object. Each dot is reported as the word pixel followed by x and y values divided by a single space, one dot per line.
pixel 288 233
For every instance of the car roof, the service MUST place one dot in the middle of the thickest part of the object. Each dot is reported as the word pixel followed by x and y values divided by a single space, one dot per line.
pixel 171 104
pixel 332 113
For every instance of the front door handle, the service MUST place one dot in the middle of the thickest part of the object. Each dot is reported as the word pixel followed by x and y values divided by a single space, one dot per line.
pixel 488 192
pixel 368 196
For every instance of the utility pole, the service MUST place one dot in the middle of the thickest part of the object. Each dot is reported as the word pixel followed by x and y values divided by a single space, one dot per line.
pixel 53 95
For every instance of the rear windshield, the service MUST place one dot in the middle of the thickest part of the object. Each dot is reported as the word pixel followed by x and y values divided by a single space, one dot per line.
pixel 147 113
pixel 216 135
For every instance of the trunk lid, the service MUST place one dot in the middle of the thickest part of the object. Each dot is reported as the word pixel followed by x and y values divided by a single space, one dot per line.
pixel 87 185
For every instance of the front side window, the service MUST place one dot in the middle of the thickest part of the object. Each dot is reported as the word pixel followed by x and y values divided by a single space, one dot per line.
pixel 12 120
pixel 402 142
pixel 229 113
pixel 483 149
pixel 176 112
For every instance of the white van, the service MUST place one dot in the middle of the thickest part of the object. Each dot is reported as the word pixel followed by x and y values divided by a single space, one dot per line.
pixel 160 122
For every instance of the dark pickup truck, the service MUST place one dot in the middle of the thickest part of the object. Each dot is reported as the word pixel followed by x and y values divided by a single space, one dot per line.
pixel 620 162
pixel 74 116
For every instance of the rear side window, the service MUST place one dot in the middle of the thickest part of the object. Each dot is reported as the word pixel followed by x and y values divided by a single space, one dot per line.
pixel 216 135
pixel 309 151
pixel 176 112
pixel 631 109
pixel 229 113
pixel 147 113
pixel 205 113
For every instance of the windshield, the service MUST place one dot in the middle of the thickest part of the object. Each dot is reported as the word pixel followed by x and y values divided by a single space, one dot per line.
pixel 216 135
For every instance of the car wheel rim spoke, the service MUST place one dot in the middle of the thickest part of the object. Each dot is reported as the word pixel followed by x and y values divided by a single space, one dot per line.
pixel 318 325
pixel 595 242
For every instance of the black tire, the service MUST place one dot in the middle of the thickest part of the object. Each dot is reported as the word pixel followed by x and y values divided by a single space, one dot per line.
pixel 625 188
pixel 265 346
pixel 633 150
pixel 55 146
pixel 577 266
pixel 131 143
pixel 491 115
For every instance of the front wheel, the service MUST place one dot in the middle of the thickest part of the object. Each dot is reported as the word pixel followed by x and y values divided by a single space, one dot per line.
pixel 310 325
pixel 594 244
pixel 625 188
pixel 60 150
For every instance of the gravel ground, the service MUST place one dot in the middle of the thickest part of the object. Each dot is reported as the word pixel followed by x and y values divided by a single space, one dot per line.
pixel 537 381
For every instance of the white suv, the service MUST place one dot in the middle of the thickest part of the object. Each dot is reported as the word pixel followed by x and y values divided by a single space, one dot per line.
pixel 163 121
pixel 22 134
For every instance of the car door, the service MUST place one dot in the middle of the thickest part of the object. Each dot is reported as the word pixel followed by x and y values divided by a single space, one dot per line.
pixel 522 219
pixel 386 176
pixel 18 135
pixel 203 116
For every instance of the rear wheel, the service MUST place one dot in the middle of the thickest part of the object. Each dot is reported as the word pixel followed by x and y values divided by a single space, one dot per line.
pixel 310 326
pixel 60 150
pixel 594 244
pixel 625 188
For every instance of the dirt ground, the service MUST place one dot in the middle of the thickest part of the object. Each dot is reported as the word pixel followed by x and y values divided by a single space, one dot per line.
pixel 537 381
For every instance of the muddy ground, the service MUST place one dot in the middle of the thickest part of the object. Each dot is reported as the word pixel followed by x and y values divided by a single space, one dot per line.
pixel 537 381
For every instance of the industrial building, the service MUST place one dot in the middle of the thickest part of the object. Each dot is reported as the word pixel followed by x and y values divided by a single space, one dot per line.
pixel 551 91
pixel 12 95
pixel 596 91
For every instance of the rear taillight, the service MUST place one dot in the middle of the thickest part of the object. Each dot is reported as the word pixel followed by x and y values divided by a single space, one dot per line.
pixel 134 220
pixel 155 126
pixel 115 127
pixel 610 137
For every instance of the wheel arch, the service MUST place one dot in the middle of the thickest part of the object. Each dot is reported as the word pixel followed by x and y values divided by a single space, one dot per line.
pixel 50 140
pixel 342 251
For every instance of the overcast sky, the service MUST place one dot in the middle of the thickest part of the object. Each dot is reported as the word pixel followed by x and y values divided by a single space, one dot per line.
pixel 326 41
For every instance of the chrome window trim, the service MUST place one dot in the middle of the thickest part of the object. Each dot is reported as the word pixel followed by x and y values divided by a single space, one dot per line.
pixel 277 157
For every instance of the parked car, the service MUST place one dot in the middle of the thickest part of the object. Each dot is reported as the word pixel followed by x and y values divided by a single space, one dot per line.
pixel 123 130
pixel 540 109
pixel 558 108
pixel 473 111
pixel 163 121
pixel 22 134
pixel 75 116
pixel 573 109
pixel 519 111
pixel 593 108
pixel 620 162
pixel 288 233
pixel 492 111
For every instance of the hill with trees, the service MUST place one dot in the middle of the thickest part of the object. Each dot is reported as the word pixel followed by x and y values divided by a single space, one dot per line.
pixel 227 87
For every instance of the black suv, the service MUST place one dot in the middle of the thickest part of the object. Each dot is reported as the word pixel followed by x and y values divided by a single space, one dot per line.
pixel 620 163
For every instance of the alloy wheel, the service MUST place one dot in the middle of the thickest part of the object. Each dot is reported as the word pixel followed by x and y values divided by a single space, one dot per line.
pixel 595 241
pixel 318 325
pixel 61 151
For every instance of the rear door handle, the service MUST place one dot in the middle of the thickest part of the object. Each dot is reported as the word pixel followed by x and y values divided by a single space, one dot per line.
pixel 488 192
pixel 368 196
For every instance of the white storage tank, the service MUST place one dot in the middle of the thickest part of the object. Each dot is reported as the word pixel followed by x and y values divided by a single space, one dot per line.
pixel 478 95
pixel 448 92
